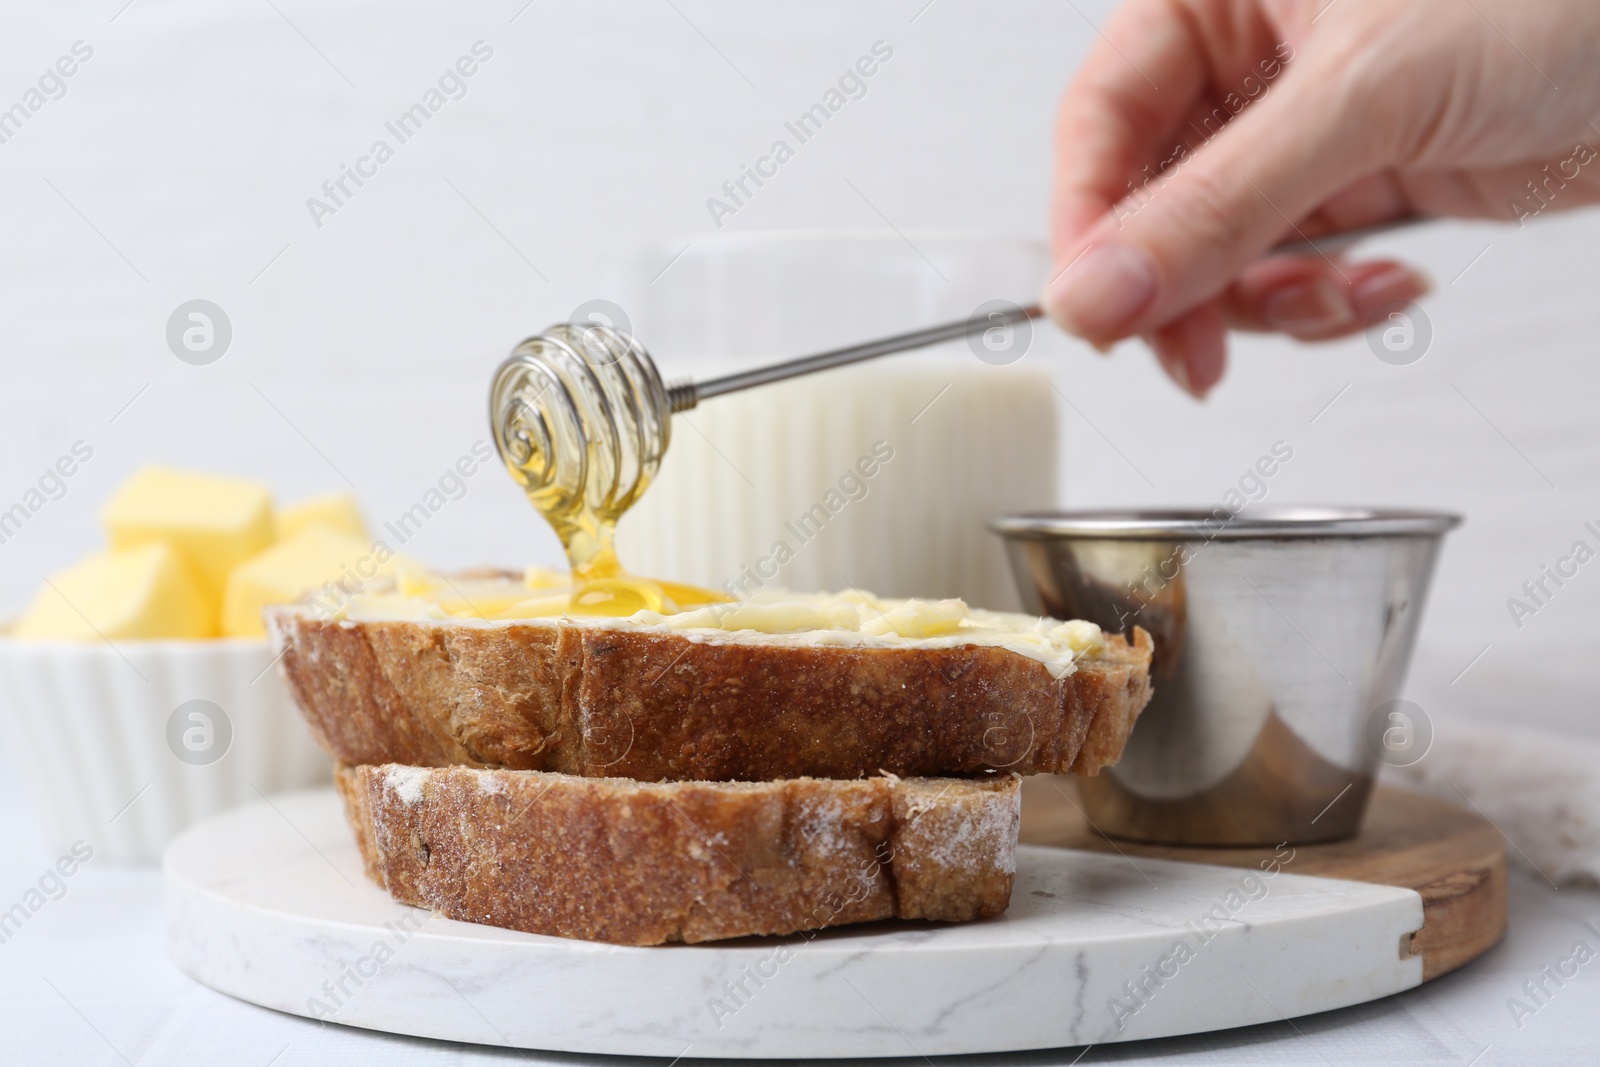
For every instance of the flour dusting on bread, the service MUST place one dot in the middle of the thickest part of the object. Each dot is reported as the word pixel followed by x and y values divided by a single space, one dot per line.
pixel 406 782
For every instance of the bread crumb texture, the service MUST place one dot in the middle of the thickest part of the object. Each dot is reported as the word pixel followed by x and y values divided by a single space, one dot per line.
pixel 641 863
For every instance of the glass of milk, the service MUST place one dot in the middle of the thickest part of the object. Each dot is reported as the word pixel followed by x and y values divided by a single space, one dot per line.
pixel 877 477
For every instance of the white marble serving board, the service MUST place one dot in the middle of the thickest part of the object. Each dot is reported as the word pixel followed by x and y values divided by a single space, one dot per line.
pixel 269 904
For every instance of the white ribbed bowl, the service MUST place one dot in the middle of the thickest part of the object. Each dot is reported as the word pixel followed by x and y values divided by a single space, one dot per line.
pixel 85 728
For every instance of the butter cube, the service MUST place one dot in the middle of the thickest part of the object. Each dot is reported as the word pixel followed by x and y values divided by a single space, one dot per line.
pixel 336 510
pixel 215 524
pixel 143 592
pixel 292 568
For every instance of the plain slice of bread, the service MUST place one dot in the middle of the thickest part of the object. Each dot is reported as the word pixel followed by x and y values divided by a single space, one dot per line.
pixel 666 706
pixel 636 863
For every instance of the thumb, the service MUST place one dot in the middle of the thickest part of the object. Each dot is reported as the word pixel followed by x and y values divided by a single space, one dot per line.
pixel 1181 239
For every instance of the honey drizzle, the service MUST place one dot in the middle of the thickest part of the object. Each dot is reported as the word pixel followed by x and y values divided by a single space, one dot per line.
pixel 582 424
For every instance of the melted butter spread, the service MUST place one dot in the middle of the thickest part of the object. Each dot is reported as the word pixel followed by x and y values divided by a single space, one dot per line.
pixel 773 617
pixel 542 593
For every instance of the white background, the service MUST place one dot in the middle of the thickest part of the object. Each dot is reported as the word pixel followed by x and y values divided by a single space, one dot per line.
pixel 185 149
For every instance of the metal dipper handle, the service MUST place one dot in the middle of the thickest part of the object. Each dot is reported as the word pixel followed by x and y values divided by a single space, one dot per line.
pixel 686 395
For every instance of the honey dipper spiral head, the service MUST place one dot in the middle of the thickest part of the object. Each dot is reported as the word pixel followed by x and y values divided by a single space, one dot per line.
pixel 581 419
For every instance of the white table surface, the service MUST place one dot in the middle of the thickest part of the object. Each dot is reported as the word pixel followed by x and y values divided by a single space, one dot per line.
pixel 86 980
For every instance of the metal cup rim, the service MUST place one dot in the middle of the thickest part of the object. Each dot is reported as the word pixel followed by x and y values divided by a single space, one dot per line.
pixel 1220 524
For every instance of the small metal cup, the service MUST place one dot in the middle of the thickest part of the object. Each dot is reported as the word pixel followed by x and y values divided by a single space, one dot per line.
pixel 1282 637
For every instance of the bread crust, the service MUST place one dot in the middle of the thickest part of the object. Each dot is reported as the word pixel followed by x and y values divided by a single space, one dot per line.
pixel 637 863
pixel 663 706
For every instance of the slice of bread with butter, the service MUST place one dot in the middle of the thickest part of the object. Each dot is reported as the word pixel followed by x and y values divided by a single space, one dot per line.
pixel 832 686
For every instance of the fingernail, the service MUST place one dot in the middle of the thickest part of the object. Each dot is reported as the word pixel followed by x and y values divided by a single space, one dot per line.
pixel 1308 306
pixel 1176 368
pixel 1099 296
pixel 1389 284
pixel 1180 374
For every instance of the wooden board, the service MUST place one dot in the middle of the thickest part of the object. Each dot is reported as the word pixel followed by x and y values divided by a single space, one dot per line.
pixel 1453 858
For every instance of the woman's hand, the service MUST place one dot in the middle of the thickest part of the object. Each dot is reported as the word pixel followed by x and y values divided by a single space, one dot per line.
pixel 1199 133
